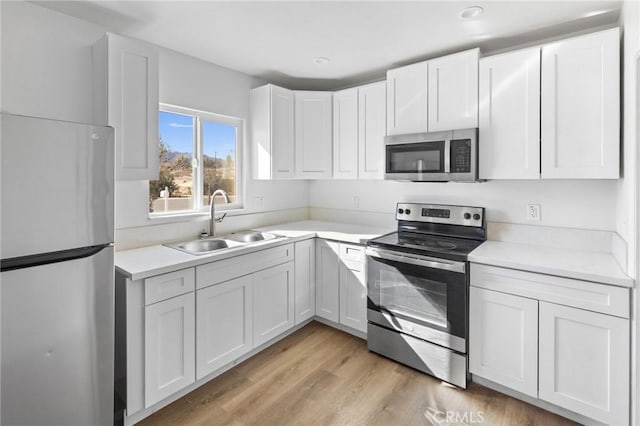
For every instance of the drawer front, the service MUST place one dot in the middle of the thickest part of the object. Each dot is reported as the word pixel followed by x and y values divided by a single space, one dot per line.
pixel 225 270
pixel 166 286
pixel 351 252
pixel 563 291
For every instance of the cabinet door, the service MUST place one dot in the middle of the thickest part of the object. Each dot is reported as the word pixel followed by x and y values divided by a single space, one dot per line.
pixel 510 115
pixel 313 135
pixel 372 110
pixel 327 280
pixel 345 134
pixel 581 107
pixel 169 360
pixel 353 296
pixel 224 324
pixel 282 133
pixel 503 339
pixel 584 362
pixel 132 96
pixel 407 101
pixel 305 280
pixel 453 91
pixel 273 299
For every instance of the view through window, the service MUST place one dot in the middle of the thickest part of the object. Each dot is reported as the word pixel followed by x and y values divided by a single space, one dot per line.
pixel 198 154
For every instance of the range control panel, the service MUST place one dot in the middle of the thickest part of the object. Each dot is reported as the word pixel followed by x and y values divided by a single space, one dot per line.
pixel 437 213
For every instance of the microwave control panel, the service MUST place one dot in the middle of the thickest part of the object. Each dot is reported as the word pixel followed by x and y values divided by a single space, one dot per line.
pixel 460 155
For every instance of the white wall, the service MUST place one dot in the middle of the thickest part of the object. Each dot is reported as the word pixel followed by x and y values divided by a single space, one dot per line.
pixel 573 204
pixel 47 72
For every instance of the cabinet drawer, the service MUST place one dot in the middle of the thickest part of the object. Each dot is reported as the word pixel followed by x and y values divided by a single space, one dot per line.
pixel 350 252
pixel 166 286
pixel 564 291
pixel 224 270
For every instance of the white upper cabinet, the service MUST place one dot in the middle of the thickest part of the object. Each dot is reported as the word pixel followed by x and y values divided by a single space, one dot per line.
pixel 126 98
pixel 372 111
pixel 453 91
pixel 510 115
pixel 313 135
pixel 581 107
pixel 345 134
pixel 272 132
pixel 407 100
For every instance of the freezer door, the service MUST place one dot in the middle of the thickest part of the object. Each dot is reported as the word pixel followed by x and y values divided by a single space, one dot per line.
pixel 57 343
pixel 57 185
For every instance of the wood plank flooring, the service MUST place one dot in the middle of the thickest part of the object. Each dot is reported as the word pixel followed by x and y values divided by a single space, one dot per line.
pixel 322 376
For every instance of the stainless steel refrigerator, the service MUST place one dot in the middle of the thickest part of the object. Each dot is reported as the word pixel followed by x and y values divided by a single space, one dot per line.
pixel 57 279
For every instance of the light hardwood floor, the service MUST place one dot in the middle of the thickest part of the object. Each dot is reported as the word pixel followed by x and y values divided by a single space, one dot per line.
pixel 322 376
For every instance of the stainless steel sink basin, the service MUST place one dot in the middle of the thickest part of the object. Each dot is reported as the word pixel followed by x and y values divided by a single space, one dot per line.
pixel 250 236
pixel 203 246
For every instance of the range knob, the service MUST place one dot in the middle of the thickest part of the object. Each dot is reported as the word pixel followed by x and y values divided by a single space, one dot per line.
pixel 400 211
pixel 476 216
pixel 407 211
pixel 467 216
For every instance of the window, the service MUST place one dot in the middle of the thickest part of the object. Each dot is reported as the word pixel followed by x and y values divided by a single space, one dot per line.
pixel 199 153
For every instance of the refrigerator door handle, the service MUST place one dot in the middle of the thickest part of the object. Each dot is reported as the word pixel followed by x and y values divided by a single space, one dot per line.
pixel 47 258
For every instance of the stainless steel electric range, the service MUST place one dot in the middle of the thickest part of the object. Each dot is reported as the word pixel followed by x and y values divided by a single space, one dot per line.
pixel 418 287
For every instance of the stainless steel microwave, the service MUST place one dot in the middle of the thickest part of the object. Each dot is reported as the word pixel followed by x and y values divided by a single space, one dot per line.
pixel 432 157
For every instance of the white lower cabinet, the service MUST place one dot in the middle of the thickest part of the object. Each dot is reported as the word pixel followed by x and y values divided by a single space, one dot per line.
pixel 353 296
pixel 273 299
pixel 584 362
pixel 169 347
pixel 503 339
pixel 327 280
pixel 305 280
pixel 224 321
pixel 569 356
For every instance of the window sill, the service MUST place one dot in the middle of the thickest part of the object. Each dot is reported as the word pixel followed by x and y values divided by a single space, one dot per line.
pixel 192 216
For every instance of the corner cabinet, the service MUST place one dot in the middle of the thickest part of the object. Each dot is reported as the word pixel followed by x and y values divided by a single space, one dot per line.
pixel 509 135
pixel 581 107
pixel 453 91
pixel 126 96
pixel 305 280
pixel 273 299
pixel 272 132
pixel 327 280
pixel 313 135
pixel 559 340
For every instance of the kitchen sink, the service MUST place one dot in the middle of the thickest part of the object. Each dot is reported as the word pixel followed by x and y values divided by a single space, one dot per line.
pixel 250 236
pixel 209 245
pixel 203 246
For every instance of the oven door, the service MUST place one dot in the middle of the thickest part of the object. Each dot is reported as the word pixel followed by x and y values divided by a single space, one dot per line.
pixel 418 295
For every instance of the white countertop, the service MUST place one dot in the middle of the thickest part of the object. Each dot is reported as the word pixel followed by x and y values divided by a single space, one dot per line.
pixel 148 261
pixel 599 267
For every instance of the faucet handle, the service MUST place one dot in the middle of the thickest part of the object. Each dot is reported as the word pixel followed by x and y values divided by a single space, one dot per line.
pixel 221 218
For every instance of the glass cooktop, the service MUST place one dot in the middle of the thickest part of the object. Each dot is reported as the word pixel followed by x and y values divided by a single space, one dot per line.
pixel 428 244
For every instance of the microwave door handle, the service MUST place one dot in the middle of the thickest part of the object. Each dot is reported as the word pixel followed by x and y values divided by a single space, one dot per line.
pixel 447 156
pixel 429 262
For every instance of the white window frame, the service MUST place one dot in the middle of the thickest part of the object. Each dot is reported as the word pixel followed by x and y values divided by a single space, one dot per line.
pixel 197 169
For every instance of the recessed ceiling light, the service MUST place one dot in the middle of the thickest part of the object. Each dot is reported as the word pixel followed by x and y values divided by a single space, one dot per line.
pixel 321 60
pixel 470 12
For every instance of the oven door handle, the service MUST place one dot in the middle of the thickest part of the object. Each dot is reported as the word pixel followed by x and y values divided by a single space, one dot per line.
pixel 429 262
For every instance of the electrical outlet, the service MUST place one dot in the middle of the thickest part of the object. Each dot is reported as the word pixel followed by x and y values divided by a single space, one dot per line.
pixel 260 202
pixel 356 202
pixel 533 211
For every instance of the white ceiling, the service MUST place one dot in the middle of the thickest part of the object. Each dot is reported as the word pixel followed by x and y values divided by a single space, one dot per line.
pixel 279 40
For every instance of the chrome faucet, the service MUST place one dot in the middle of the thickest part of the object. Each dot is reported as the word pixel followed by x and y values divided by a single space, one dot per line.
pixel 213 219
